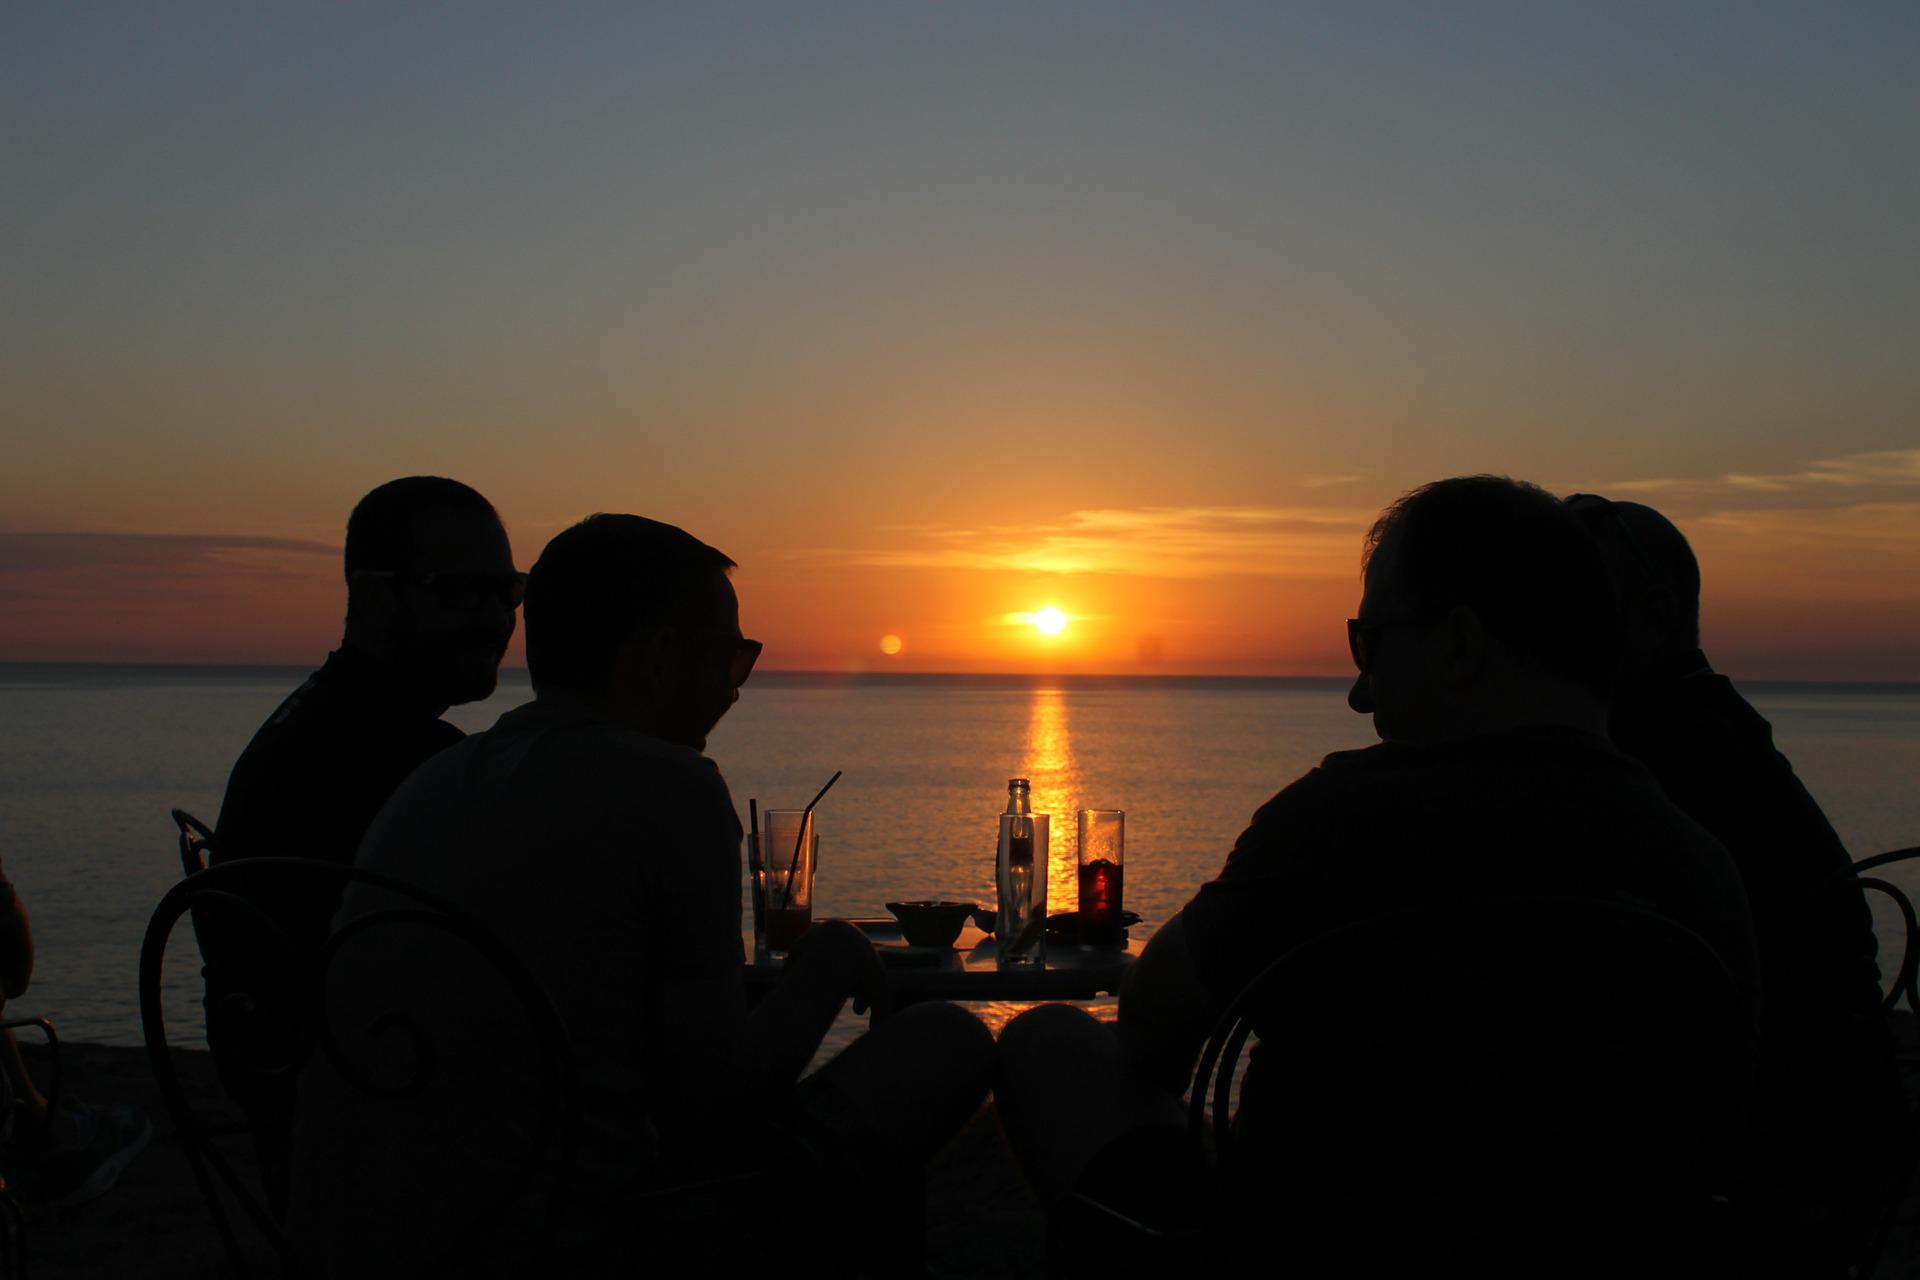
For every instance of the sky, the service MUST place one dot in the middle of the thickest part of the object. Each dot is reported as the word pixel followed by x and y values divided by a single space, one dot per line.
pixel 935 317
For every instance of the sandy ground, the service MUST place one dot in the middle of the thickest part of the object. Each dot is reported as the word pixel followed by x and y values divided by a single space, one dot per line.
pixel 982 1220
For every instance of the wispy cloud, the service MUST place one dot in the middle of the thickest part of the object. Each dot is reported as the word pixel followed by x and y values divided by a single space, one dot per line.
pixel 1889 470
pixel 50 566
pixel 1163 542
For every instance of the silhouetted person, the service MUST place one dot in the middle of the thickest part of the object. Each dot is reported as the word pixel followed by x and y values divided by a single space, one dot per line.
pixel 1484 644
pixel 431 594
pixel 52 1157
pixel 587 829
pixel 1828 1095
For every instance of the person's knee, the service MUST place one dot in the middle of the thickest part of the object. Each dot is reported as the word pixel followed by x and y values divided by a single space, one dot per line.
pixel 1046 1032
pixel 961 1039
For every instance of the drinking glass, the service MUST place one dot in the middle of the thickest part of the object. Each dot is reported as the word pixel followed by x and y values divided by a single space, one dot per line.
pixel 785 849
pixel 1102 873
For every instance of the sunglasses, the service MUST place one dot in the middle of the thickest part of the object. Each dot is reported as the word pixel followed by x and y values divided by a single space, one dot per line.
pixel 1360 633
pixel 457 591
pixel 740 652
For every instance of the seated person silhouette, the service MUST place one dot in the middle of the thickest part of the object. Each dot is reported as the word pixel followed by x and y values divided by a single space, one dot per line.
pixel 1484 645
pixel 588 830
pixel 431 594
pixel 1826 1152
pixel 52 1157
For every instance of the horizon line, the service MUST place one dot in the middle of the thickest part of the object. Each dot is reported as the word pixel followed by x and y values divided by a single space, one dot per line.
pixel 830 675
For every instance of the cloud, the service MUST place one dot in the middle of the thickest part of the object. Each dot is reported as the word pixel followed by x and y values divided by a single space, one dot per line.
pixel 1327 482
pixel 1162 542
pixel 1886 470
pixel 65 566
pixel 1893 467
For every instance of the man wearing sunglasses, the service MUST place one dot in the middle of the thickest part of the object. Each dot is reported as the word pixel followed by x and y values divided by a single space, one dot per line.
pixel 1825 1159
pixel 1483 645
pixel 588 829
pixel 431 594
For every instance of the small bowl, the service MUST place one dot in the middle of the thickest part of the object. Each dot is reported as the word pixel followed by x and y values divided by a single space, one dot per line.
pixel 931 924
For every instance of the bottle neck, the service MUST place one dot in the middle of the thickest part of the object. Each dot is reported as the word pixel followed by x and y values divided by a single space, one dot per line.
pixel 1019 799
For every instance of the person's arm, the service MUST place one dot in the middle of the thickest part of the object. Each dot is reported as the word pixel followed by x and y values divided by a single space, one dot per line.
pixel 1166 1012
pixel 832 961
pixel 16 942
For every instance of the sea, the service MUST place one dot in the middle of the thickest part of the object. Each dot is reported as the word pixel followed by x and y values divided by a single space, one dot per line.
pixel 93 757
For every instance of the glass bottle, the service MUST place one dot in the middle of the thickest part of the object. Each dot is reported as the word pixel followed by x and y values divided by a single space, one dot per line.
pixel 1020 874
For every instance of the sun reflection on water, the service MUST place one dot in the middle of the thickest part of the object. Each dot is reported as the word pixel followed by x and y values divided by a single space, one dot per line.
pixel 1055 775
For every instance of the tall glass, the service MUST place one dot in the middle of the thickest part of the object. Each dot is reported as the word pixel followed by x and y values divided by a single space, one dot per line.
pixel 784 852
pixel 1102 873
pixel 1021 927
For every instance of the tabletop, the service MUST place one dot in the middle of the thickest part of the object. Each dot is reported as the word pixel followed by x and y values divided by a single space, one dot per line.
pixel 971 968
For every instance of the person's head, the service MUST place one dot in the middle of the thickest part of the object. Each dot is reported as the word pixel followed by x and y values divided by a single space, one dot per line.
pixel 431 586
pixel 1654 573
pixel 639 618
pixel 1485 607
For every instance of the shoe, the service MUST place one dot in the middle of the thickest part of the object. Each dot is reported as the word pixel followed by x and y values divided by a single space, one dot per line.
pixel 87 1150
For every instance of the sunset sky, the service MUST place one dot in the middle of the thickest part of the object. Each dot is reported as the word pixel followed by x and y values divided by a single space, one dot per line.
pixel 934 317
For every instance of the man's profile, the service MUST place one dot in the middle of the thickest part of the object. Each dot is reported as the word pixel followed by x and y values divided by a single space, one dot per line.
pixel 1483 647
pixel 431 594
pixel 587 829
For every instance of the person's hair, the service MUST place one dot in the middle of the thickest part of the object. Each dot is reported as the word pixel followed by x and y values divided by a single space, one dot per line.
pixel 602 580
pixel 1645 551
pixel 380 532
pixel 1513 554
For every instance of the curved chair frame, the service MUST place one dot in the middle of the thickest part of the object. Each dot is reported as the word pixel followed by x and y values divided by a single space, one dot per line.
pixel 1906 980
pixel 1209 1102
pixel 196 841
pixel 228 885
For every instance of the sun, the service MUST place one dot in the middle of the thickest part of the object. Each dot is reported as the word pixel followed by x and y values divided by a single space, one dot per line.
pixel 1049 621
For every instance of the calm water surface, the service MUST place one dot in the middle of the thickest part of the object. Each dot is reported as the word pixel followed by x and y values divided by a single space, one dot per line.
pixel 92 758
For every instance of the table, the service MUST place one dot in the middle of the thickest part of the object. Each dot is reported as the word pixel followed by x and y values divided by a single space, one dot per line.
pixel 971 970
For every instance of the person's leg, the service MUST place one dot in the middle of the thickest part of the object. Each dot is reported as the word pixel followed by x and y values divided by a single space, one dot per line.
pixel 1063 1095
pixel 911 1082
pixel 25 1093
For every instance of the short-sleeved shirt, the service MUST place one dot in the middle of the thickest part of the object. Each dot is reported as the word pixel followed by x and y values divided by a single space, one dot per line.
pixel 1545 811
pixel 609 861
pixel 315 774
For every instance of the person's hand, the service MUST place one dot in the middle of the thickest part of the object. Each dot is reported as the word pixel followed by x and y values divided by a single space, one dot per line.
pixel 842 952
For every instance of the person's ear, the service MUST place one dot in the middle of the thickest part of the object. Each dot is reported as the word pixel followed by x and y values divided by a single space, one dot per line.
pixel 1467 646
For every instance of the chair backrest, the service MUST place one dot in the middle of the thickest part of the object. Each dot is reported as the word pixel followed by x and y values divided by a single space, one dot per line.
pixel 1535 1086
pixel 196 841
pixel 290 1012
pixel 1906 975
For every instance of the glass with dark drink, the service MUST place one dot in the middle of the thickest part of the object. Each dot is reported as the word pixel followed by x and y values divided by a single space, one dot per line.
pixel 782 864
pixel 1102 873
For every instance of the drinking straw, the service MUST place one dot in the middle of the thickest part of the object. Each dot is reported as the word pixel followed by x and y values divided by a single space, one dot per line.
pixel 754 866
pixel 786 892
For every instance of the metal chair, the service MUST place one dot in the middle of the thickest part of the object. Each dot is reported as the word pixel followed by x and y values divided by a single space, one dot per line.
pixel 13 1218
pixel 1904 983
pixel 283 1013
pixel 1534 1086
pixel 196 841
pixel 1906 979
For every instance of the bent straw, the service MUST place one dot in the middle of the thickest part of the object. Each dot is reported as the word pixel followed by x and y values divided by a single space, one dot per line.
pixel 786 893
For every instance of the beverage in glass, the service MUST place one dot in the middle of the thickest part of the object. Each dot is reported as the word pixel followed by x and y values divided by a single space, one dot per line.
pixel 1102 873
pixel 785 853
